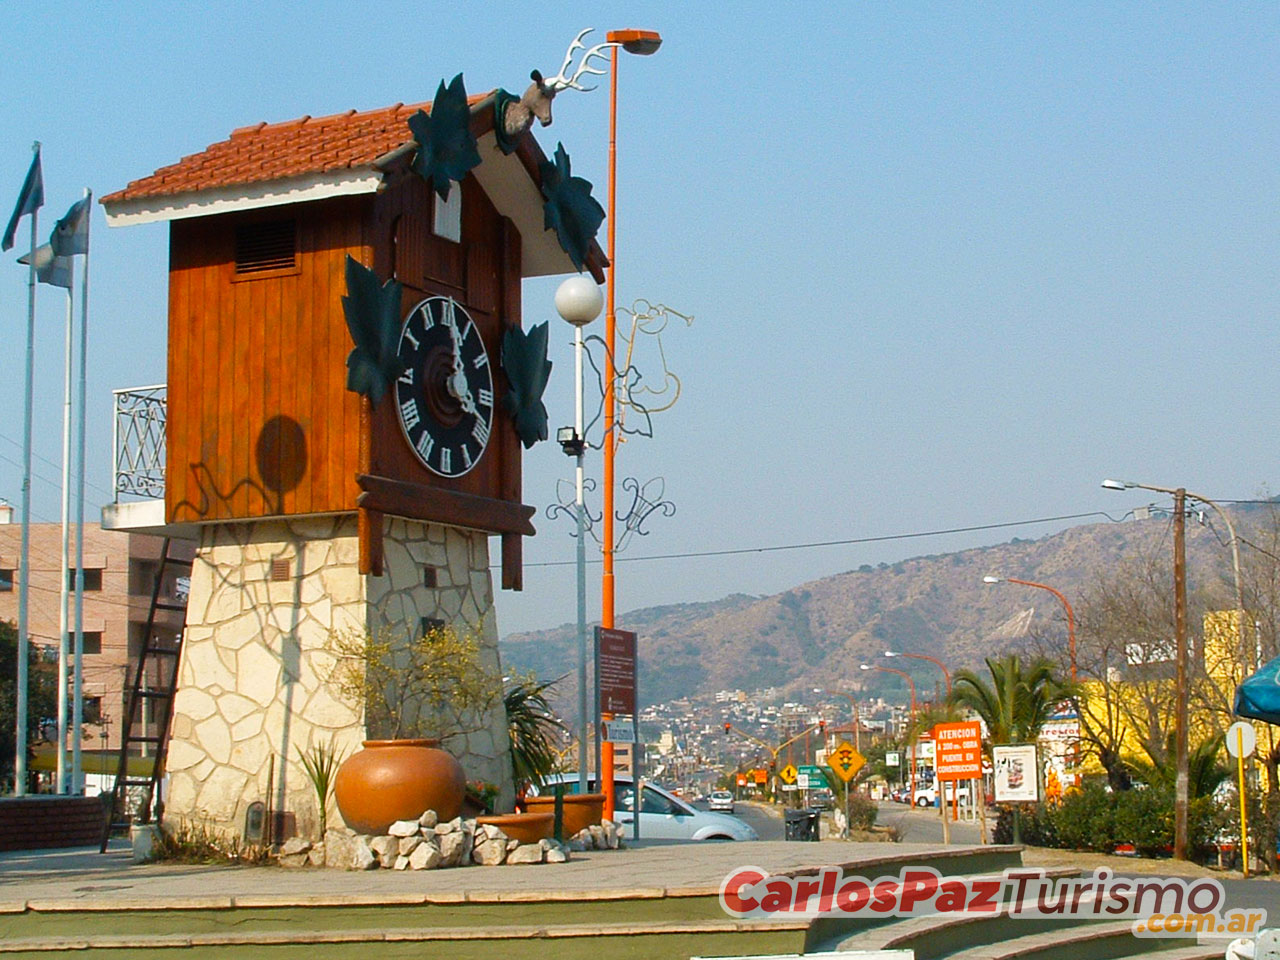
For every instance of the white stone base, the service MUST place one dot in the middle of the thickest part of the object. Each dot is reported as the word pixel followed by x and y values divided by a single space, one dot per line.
pixel 252 691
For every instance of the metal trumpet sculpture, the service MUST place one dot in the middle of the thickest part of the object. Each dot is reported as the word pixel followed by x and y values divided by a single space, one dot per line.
pixel 643 395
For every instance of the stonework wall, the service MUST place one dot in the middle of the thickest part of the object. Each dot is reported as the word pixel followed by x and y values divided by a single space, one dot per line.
pixel 253 692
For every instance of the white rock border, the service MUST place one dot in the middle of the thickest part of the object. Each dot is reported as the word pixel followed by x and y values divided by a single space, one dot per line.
pixel 428 844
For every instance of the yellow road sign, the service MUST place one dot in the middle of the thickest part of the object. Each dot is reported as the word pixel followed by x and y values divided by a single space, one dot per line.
pixel 846 762
pixel 789 773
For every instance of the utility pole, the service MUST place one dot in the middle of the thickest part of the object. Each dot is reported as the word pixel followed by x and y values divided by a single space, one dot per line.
pixel 1180 625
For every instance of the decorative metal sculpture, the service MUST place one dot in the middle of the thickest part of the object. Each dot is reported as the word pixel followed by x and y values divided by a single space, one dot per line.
pixel 646 500
pixel 517 116
pixel 372 310
pixel 633 392
pixel 524 358
pixel 566 505
pixel 446 147
pixel 631 386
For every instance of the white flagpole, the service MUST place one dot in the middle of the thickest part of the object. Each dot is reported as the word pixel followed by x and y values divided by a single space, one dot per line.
pixel 24 561
pixel 64 638
pixel 77 721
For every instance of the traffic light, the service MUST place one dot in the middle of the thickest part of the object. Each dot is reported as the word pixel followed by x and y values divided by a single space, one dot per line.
pixel 822 727
pixel 727 725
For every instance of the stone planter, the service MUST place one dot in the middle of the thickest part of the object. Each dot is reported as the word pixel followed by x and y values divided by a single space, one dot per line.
pixel 581 810
pixel 525 827
pixel 392 780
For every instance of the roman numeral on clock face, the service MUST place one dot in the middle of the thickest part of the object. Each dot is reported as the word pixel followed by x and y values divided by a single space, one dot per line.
pixel 481 432
pixel 466 456
pixel 407 376
pixel 409 413
pixel 446 460
pixel 485 397
pixel 425 444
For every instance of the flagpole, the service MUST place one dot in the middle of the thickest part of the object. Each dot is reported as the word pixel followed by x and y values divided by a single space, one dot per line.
pixel 64 638
pixel 77 722
pixel 24 560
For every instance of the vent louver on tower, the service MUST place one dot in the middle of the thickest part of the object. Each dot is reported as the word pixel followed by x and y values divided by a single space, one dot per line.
pixel 270 245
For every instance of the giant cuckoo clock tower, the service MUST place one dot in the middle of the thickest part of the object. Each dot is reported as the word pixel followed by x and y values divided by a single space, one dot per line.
pixel 349 394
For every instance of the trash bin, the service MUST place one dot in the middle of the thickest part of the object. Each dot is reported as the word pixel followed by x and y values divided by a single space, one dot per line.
pixel 801 824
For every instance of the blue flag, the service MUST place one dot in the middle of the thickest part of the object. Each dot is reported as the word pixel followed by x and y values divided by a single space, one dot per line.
pixel 50 268
pixel 29 200
pixel 71 234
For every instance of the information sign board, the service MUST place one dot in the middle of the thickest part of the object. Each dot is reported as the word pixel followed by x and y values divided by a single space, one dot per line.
pixel 616 670
pixel 958 750
pixel 1015 773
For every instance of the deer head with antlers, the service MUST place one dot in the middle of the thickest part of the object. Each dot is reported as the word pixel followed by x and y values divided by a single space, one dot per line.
pixel 536 102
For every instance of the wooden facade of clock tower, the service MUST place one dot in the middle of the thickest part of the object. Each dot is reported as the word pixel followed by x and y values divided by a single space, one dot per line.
pixel 260 423
pixel 314 515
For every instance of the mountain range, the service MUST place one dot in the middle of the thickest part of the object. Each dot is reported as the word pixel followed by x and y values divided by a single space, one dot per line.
pixel 818 633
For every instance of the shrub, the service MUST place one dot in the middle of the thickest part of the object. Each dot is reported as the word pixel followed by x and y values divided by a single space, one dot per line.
pixel 1037 828
pixel 862 812
pixel 196 843
pixel 1084 819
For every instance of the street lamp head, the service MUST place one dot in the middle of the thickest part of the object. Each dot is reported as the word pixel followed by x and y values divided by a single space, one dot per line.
pixel 866 666
pixel 579 300
pixel 640 42
pixel 892 653
pixel 1115 485
pixel 991 579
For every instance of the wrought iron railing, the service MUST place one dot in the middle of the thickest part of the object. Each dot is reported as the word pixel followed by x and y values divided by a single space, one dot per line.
pixel 138 441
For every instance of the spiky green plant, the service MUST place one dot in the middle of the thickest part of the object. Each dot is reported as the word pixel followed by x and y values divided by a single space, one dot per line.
pixel 321 762
pixel 535 729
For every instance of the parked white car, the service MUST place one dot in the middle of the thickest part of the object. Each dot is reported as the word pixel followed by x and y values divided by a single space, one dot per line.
pixel 663 816
pixel 928 796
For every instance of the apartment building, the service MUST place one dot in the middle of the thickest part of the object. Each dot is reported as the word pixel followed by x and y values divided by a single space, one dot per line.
pixel 119 578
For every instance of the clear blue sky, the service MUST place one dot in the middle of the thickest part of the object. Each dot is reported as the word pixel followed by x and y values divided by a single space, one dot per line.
pixel 950 264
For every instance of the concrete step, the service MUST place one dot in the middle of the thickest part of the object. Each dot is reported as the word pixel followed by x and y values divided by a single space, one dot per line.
pixel 932 935
pixel 1109 940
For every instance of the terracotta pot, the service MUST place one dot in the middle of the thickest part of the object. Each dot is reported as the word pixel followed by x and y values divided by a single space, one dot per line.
pixel 580 809
pixel 392 780
pixel 525 827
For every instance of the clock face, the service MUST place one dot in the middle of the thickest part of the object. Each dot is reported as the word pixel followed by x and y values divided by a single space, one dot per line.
pixel 444 398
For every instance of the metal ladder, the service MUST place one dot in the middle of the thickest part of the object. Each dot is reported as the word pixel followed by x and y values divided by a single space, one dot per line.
pixel 165 653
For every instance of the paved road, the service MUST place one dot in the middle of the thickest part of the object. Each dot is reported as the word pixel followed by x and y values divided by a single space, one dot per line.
pixel 765 823
pixel 924 825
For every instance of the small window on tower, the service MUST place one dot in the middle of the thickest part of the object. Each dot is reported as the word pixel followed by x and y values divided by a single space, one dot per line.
pixel 448 215
pixel 92 640
pixel 6 581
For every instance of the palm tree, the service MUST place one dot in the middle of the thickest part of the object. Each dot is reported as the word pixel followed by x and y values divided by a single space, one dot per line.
pixel 1017 703
pixel 1015 706
pixel 534 727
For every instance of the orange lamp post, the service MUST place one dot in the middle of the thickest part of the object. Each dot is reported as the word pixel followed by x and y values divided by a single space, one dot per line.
pixel 924 656
pixel 1071 617
pixel 643 43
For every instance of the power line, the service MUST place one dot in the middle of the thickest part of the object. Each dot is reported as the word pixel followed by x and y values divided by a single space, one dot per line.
pixel 774 548
pixel 51 463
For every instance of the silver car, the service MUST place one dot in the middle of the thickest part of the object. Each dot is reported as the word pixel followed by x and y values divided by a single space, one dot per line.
pixel 662 816
pixel 721 800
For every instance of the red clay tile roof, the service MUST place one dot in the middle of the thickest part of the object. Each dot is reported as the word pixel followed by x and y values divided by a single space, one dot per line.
pixel 263 152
